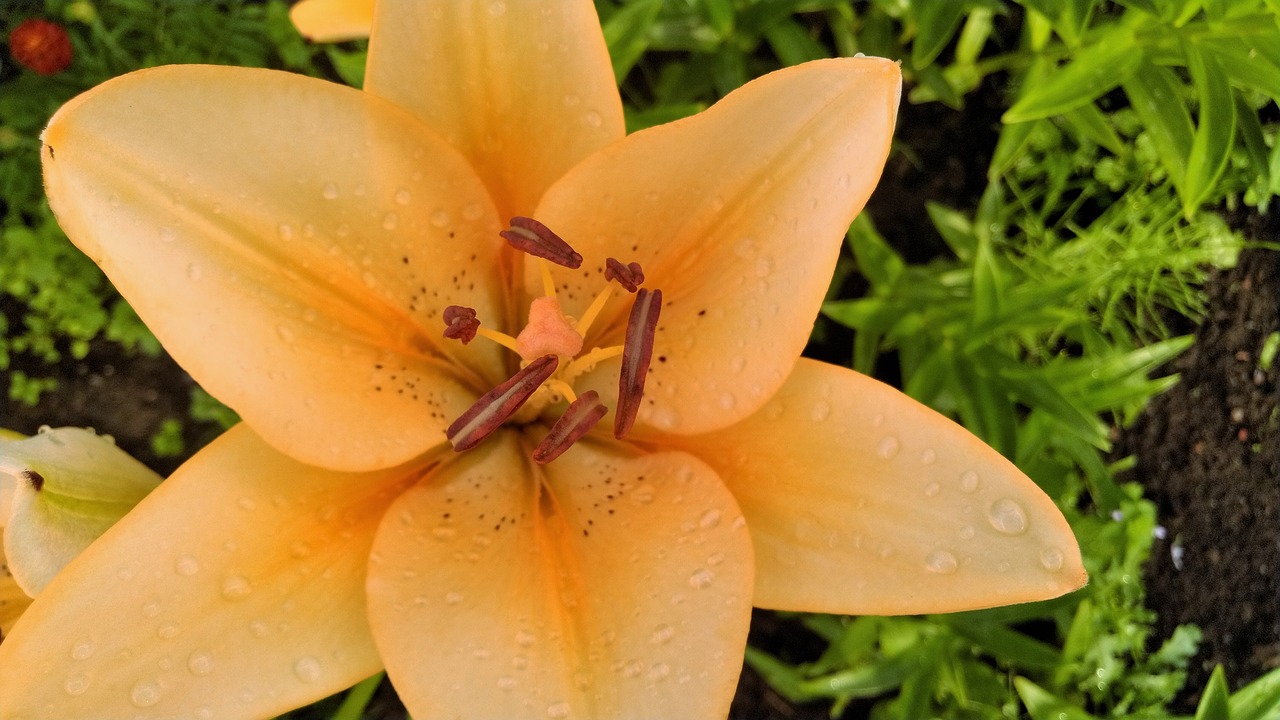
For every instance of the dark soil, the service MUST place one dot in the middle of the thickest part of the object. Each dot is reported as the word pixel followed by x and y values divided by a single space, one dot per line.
pixel 1208 453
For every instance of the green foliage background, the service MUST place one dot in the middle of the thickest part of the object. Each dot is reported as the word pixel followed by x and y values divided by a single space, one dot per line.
pixel 1126 126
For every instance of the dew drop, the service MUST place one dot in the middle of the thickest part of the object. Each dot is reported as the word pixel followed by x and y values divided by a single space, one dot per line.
pixel 928 457
pixel 968 481
pixel 558 710
pixel 701 578
pixel 169 630
pixel 200 663
pixel 145 694
pixel 1051 559
pixel 593 119
pixel 453 598
pixel 390 221
pixel 709 519
pixel 151 609
pixel 168 235
pixel 204 712
pixel 194 272
pixel 440 218
pixel 764 267
pixel 403 196
pixel 643 494
pixel 728 401
pixel 887 448
pixel 307 669
pixel 821 411
pixel 497 8
pixel 662 634
pixel 83 649
pixel 443 532
pixel 473 211
pixel 524 638
pixel 246 503
pixel 941 562
pixel 506 682
pixel 330 191
pixel 659 671
pixel 77 684
pixel 258 629
pixel 1007 516
pixel 236 587
pixel 932 489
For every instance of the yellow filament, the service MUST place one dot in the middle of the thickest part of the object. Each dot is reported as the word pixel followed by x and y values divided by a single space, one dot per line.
pixel 563 388
pixel 548 285
pixel 592 312
pixel 501 338
pixel 588 361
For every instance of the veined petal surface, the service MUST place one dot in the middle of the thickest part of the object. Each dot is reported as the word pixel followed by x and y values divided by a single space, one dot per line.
pixel 862 501
pixel 235 590
pixel 737 215
pixel 292 243
pixel 523 88
pixel 333 20
pixel 613 586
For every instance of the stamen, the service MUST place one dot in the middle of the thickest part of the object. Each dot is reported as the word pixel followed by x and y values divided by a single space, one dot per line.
pixel 462 323
pixel 590 360
pixel 581 416
pixel 564 389
pixel 593 311
pixel 501 338
pixel 636 353
pixel 629 276
pixel 496 406
pixel 548 283
pixel 531 236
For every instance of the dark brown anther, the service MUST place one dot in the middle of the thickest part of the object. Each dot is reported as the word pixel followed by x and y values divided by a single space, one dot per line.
pixel 494 407
pixel 581 416
pixel 35 478
pixel 462 323
pixel 637 350
pixel 629 276
pixel 529 235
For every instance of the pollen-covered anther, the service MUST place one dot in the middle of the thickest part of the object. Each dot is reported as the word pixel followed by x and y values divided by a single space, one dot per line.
pixel 462 323
pixel 637 351
pixel 529 235
pixel 496 406
pixel 629 276
pixel 580 417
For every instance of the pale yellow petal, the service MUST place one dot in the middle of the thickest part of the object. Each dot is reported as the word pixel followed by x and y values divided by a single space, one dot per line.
pixel 292 243
pixel 13 602
pixel 523 88
pixel 614 587
pixel 70 485
pixel 333 20
pixel 235 590
pixel 861 500
pixel 737 215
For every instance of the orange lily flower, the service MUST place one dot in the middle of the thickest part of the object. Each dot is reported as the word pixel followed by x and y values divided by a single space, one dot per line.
pixel 333 20
pixel 302 249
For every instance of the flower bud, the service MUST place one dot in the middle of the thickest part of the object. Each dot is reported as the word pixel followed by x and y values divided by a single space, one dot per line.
pixel 41 46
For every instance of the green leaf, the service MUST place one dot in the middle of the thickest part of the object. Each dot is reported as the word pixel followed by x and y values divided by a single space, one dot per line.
pixel 626 32
pixel 1213 703
pixel 1259 700
pixel 1255 144
pixel 1243 64
pixel 936 22
pixel 1009 646
pixel 793 44
pixel 878 263
pixel 1215 131
pixel 1094 71
pixel 1042 705
pixel 1154 94
pixel 720 16
pixel 987 285
pixel 977 29
pixel 1089 122
pixel 357 699
pixel 955 228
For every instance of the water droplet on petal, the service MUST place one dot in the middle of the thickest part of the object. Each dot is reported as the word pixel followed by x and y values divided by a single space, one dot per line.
pixel 941 562
pixel 497 8
pixel 307 669
pixel 709 519
pixel 440 218
pixel 77 684
pixel 932 489
pixel 821 411
pixel 186 565
pixel 701 578
pixel 928 457
pixel 204 712
pixel 558 710
pixel 1051 559
pixel 83 649
pixel 236 587
pixel 506 682
pixel 1007 516
pixel 643 494
pixel 967 532
pixel 453 598
pixel 473 211
pixel 145 694
pixel 200 663
pixel 390 221
pixel 887 448
pixel 968 481
pixel 169 630
pixel 194 272
pixel 403 196
pixel 662 634
pixel 593 119
pixel 168 235
pixel 524 638
pixel 330 191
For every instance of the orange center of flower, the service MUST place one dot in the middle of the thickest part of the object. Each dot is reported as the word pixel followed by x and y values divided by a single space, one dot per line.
pixel 551 338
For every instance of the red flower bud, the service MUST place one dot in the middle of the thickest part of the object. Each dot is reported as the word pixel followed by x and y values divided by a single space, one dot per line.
pixel 41 46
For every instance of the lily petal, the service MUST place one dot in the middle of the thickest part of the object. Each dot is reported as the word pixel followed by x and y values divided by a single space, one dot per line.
pixel 13 602
pixel 71 484
pixel 614 586
pixel 292 243
pixel 862 501
pixel 236 589
pixel 523 88
pixel 737 215
pixel 333 20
